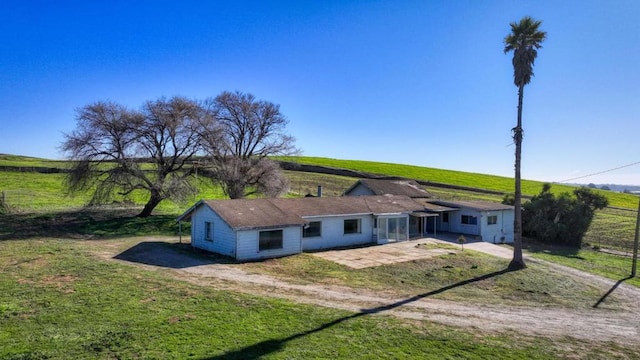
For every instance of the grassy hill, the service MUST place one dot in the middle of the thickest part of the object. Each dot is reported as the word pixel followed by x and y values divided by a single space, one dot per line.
pixel 26 161
pixel 474 180
pixel 42 190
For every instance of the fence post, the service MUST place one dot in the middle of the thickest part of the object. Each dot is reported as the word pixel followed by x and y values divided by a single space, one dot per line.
pixel 635 244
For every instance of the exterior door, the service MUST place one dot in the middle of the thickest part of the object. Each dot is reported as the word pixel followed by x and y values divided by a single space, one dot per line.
pixel 393 228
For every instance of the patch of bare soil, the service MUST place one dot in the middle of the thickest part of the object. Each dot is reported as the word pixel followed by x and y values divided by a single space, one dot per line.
pixel 594 324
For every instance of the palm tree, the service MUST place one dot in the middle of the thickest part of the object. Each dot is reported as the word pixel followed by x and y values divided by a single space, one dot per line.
pixel 524 40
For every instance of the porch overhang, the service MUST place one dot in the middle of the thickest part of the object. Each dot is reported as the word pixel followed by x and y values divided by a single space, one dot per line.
pixel 423 214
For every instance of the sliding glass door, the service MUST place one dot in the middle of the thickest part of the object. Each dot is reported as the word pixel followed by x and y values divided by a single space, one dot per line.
pixel 393 228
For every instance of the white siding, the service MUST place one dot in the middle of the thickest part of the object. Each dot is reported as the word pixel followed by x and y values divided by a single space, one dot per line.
pixel 333 233
pixel 500 232
pixel 248 244
pixel 456 225
pixel 441 225
pixel 224 238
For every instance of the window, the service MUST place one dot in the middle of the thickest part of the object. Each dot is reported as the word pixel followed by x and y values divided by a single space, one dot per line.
pixel 312 229
pixel 492 219
pixel 445 217
pixel 352 226
pixel 271 239
pixel 208 231
pixel 469 220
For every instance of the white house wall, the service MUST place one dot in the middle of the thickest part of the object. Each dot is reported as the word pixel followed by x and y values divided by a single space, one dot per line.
pixel 332 233
pixel 249 242
pixel 224 238
pixel 500 232
pixel 456 225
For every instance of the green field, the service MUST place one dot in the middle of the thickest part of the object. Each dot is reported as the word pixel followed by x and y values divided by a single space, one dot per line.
pixel 58 300
pixel 474 180
pixel 38 192
pixel 26 161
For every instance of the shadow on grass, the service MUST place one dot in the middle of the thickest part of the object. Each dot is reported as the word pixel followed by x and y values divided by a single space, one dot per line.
pixel 85 223
pixel 271 346
pixel 557 250
pixel 613 288
pixel 169 255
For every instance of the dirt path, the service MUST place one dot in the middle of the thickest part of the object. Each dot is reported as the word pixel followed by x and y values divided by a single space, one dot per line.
pixel 594 324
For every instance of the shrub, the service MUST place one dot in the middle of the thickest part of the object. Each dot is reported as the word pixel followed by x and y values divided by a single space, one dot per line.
pixel 562 219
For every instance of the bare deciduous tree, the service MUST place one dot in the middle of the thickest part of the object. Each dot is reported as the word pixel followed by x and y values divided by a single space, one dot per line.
pixel 111 141
pixel 250 131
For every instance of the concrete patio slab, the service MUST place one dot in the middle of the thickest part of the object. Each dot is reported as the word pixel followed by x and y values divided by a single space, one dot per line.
pixel 403 251
pixel 378 255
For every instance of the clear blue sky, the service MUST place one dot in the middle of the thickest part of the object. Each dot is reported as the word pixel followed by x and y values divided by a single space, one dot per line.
pixel 415 82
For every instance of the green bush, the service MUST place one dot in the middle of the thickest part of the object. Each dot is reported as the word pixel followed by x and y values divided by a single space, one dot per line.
pixel 561 219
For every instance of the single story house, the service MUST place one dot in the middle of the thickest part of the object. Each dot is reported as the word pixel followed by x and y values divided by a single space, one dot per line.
pixel 420 222
pixel 488 221
pixel 251 229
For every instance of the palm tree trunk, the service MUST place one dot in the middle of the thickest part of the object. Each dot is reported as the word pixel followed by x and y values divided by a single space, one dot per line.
pixel 518 262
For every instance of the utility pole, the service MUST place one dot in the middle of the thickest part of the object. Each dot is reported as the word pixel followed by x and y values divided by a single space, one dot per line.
pixel 635 243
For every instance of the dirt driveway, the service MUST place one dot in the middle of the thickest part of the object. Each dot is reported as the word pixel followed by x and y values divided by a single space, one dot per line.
pixel 592 324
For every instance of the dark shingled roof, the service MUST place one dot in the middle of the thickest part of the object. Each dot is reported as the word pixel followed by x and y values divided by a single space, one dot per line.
pixel 251 213
pixel 430 205
pixel 264 213
pixel 408 188
pixel 478 205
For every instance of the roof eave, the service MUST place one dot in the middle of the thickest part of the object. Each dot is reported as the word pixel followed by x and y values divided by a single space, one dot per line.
pixel 266 227
pixel 187 213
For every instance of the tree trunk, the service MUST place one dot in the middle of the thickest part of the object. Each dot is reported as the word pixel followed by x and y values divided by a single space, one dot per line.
pixel 518 262
pixel 154 200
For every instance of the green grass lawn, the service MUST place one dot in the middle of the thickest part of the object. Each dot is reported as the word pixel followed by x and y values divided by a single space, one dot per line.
pixel 57 301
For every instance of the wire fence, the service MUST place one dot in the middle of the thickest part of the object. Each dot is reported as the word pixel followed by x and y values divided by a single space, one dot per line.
pixel 12 201
pixel 16 201
pixel 612 229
